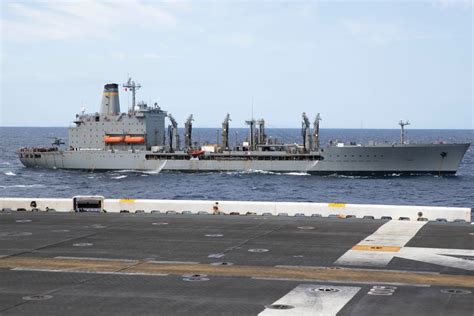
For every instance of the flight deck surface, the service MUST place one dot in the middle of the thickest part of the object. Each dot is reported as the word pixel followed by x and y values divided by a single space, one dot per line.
pixel 167 264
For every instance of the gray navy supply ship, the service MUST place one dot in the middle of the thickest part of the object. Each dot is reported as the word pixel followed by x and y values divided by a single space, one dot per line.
pixel 139 140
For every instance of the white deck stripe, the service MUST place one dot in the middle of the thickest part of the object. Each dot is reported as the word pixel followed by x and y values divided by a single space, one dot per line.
pixel 308 302
pixel 397 234
pixel 393 234
pixel 442 257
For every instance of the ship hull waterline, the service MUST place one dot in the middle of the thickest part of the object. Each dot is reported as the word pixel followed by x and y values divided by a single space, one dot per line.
pixel 439 159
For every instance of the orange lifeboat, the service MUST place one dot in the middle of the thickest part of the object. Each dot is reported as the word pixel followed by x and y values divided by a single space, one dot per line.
pixel 113 139
pixel 134 139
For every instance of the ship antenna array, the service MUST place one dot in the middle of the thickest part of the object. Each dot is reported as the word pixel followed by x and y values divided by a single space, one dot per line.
pixel 402 131
pixel 130 84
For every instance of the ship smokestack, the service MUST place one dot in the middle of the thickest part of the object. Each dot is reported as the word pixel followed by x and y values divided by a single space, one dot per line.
pixel 110 100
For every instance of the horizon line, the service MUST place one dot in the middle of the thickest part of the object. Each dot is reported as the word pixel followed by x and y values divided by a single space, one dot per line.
pixel 296 128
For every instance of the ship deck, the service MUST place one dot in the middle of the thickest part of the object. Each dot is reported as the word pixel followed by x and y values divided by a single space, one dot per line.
pixel 168 264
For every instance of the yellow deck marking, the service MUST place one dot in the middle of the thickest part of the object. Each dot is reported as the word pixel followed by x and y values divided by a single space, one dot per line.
pixel 127 201
pixel 297 273
pixel 377 248
pixel 337 204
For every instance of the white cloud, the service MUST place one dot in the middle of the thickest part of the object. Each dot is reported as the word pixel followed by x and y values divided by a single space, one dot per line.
pixel 60 20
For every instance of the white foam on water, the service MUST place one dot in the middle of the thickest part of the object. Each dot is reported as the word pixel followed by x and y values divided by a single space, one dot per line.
pixel 120 177
pixel 150 172
pixel 10 173
pixel 126 171
pixel 255 171
pixel 296 174
pixel 156 171
pixel 22 186
pixel 251 171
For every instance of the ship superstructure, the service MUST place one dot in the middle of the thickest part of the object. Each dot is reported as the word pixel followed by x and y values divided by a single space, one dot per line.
pixel 139 140
pixel 138 129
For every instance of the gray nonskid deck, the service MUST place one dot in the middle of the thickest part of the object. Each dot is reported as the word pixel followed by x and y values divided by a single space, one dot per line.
pixel 33 242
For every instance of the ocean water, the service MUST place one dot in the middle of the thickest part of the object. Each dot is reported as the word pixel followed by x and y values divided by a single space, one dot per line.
pixel 19 181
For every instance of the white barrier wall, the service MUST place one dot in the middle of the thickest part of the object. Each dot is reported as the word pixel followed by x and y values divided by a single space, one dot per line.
pixel 245 207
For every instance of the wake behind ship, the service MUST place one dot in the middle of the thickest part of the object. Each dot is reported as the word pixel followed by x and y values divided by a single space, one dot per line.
pixel 139 140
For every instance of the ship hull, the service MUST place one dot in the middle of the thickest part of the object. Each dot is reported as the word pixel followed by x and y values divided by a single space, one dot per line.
pixel 349 160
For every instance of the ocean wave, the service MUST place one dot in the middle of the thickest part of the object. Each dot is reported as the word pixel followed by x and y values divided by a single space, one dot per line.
pixel 296 174
pixel 254 171
pixel 120 177
pixel 343 176
pixel 138 171
pixel 150 171
pixel 22 186
pixel 10 173
pixel 126 171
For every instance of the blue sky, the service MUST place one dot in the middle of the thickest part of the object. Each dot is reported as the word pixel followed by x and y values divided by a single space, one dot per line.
pixel 359 63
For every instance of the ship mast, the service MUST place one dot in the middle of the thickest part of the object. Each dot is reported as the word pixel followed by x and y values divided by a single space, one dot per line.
pixel 305 132
pixel 262 137
pixel 316 131
pixel 133 87
pixel 251 124
pixel 188 128
pixel 225 133
pixel 173 134
pixel 402 131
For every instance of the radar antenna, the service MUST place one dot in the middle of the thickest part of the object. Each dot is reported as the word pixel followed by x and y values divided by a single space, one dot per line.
pixel 133 87
pixel 402 131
